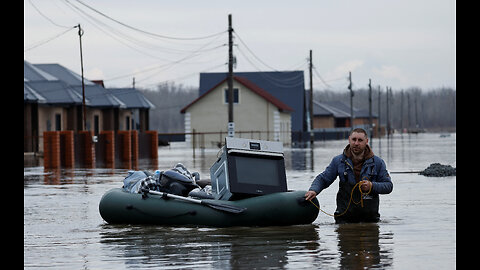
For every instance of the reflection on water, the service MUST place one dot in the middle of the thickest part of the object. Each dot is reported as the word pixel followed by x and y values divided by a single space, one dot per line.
pixel 218 248
pixel 240 247
pixel 359 246
pixel 63 228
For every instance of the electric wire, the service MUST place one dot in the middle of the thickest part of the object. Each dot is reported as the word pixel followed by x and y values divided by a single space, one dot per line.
pixel 46 17
pixel 135 43
pixel 42 42
pixel 153 49
pixel 147 32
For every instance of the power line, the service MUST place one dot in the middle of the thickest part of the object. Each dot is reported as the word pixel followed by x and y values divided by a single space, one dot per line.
pixel 254 55
pixel 168 65
pixel 147 32
pixel 320 77
pixel 46 17
pixel 42 42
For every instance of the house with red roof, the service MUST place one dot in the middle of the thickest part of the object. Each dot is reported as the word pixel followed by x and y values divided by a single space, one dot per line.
pixel 257 114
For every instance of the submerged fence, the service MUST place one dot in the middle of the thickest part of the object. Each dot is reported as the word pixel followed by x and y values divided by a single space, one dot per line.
pixel 200 139
pixel 110 149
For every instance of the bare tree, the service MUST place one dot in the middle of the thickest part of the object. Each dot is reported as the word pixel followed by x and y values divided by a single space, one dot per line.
pixel 434 109
pixel 169 99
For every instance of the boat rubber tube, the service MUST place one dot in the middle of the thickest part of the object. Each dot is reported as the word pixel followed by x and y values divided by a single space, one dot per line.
pixel 276 209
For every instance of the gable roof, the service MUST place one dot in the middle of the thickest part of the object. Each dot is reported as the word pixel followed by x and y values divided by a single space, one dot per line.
pixel 62 73
pixel 254 88
pixel 54 92
pixel 132 98
pixel 286 86
pixel 32 96
pixel 66 86
pixel 99 96
pixel 32 73
pixel 338 109
pixel 326 109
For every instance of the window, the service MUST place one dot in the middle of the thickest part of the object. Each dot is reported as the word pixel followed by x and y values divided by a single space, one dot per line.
pixel 58 122
pixel 235 96
pixel 96 124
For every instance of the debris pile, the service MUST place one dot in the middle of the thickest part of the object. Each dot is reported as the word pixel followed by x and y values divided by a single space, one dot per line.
pixel 439 170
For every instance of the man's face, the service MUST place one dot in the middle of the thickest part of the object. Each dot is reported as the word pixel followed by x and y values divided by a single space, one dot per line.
pixel 358 142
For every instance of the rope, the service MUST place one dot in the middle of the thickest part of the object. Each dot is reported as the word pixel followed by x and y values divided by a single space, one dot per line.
pixel 351 199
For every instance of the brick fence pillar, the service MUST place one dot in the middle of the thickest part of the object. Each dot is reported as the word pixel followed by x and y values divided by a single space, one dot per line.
pixel 51 149
pixel 67 149
pixel 109 138
pixel 126 148
pixel 134 138
pixel 88 148
pixel 153 143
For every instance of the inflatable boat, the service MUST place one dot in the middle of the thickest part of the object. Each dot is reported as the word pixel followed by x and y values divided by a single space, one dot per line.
pixel 276 209
pixel 248 187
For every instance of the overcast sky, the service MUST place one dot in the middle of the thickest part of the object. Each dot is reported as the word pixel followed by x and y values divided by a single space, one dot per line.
pixel 396 43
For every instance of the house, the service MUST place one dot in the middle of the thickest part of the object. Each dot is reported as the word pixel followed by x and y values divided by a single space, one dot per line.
pixel 336 114
pixel 137 104
pixel 257 114
pixel 49 105
pixel 287 86
pixel 53 102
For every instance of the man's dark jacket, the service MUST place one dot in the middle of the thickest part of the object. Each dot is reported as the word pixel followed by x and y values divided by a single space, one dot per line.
pixel 373 169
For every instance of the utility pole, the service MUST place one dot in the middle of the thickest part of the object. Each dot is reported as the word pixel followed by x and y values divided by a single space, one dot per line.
pixel 351 98
pixel 231 124
pixel 370 109
pixel 401 112
pixel 133 83
pixel 80 34
pixel 388 113
pixel 408 112
pixel 310 109
pixel 416 112
pixel 379 103
pixel 391 106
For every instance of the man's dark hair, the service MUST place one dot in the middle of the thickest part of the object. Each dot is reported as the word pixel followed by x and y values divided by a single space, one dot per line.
pixel 359 130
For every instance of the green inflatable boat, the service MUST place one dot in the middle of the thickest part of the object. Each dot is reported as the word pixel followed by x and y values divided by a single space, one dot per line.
pixel 248 187
pixel 276 209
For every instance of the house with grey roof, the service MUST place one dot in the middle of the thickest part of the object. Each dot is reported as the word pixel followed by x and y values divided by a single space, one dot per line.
pixel 53 101
pixel 137 103
pixel 336 114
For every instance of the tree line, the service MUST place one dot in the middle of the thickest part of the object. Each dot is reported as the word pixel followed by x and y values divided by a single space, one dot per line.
pixel 433 110
pixel 169 98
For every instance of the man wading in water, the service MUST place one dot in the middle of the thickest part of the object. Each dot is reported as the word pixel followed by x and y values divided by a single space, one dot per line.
pixel 358 169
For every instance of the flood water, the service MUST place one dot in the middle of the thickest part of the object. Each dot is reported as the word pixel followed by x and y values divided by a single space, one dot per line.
pixel 64 230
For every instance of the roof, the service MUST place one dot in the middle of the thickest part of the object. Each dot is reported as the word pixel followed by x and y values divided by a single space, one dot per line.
pixel 132 98
pixel 99 96
pixel 63 74
pixel 54 92
pixel 32 73
pixel 254 88
pixel 338 109
pixel 32 96
pixel 264 94
pixel 286 86
pixel 67 81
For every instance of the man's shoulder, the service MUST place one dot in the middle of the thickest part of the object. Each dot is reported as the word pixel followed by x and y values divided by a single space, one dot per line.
pixel 378 160
pixel 339 158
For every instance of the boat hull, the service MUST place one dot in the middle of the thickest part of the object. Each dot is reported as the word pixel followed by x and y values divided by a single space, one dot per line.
pixel 277 209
